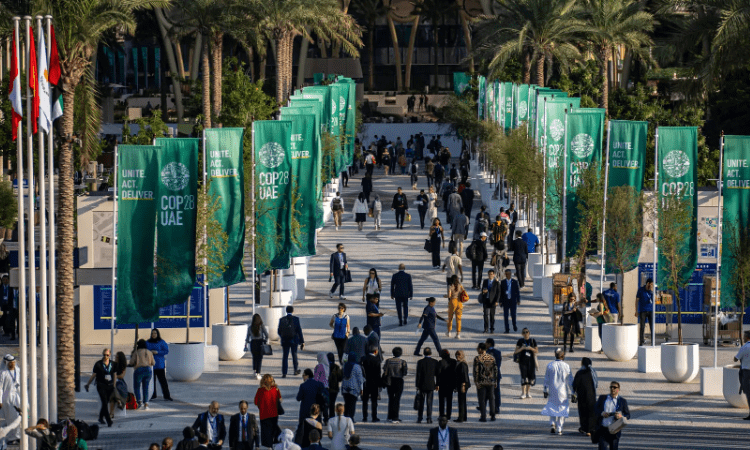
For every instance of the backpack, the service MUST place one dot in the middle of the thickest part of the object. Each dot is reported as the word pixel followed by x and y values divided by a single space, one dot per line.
pixel 337 204
pixel 471 252
pixel 286 328
pixel 499 229
pixel 438 171
pixel 482 225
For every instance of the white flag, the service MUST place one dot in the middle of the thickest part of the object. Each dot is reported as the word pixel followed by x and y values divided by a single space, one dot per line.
pixel 45 115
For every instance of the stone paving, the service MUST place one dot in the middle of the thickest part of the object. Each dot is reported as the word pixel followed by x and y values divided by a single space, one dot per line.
pixel 664 415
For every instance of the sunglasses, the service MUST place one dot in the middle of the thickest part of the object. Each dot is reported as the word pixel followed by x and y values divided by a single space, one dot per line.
pixel 614 387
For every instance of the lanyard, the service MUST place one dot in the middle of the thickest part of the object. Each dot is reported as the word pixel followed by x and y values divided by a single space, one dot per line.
pixel 13 374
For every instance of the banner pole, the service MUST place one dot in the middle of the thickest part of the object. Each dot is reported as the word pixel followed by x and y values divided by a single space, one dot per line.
pixel 604 211
pixel 205 256
pixel 114 253
pixel 52 277
pixel 563 257
pixel 718 252
pixel 252 206
pixel 43 329
pixel 544 189
pixel 656 232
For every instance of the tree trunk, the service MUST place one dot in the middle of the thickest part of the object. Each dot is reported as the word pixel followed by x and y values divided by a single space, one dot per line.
pixel 251 61
pixel 65 282
pixel 371 55
pixel 467 38
pixel 540 71
pixel 303 48
pixel 179 58
pixel 263 61
pixel 527 67
pixel 283 66
pixel 396 54
pixel 217 45
pixel 410 53
pixel 197 52
pixel 206 86
pixel 604 102
pixel 173 67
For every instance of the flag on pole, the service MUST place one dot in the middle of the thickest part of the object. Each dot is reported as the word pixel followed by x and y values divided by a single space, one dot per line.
pixel 33 82
pixel 54 76
pixel 45 113
pixel 15 89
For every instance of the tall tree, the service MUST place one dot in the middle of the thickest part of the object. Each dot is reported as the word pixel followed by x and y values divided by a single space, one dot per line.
pixel 434 12
pixel 79 27
pixel 369 11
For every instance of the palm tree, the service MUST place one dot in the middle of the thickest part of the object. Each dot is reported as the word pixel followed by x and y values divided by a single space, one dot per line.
pixel 434 12
pixel 369 11
pixel 79 27
pixel 616 23
pixel 286 19
pixel 545 31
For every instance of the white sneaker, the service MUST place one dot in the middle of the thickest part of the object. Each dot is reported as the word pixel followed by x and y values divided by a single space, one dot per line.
pixel 258 376
pixel 447 334
pixel 145 406
pixel 523 396
pixel 458 335
pixel 528 395
pixel 559 432
pixel 330 295
pixel 341 297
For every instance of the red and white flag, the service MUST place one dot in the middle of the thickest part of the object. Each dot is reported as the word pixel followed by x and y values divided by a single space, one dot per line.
pixel 33 82
pixel 15 89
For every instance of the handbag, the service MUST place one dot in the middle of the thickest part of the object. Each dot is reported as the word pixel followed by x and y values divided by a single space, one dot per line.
pixel 369 213
pixel 464 297
pixel 493 261
pixel 616 426
pixel 417 400
pixel 506 261
pixel 279 409
pixel 408 217
pixel 266 348
pixel 347 276
pixel 428 246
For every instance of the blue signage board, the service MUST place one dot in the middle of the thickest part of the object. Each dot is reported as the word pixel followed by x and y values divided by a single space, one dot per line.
pixel 691 299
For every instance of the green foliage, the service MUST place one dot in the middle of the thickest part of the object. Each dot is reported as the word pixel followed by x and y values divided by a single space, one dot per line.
pixel 516 156
pixel 328 144
pixel 738 247
pixel 243 100
pixel 461 113
pixel 8 206
pixel 588 224
pixel 149 129
pixel 582 81
pixel 87 118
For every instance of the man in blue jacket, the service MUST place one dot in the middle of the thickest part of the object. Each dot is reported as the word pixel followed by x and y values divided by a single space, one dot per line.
pixel 509 298
pixel 402 290
pixel 645 299
pixel 337 268
pixel 290 333
pixel 608 409
pixel 497 354
pixel 613 300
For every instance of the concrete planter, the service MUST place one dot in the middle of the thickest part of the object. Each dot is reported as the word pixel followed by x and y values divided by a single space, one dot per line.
pixel 679 363
pixel 731 388
pixel 230 339
pixel 620 342
pixel 289 283
pixel 186 361
pixel 271 316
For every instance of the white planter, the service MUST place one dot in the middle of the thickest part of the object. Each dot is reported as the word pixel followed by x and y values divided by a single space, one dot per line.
pixel 283 298
pixel 679 363
pixel 547 290
pixel 300 272
pixel 620 342
pixel 230 339
pixel 593 343
pixel 289 283
pixel 271 316
pixel 551 269
pixel 534 259
pixel 211 358
pixel 186 361
pixel 731 387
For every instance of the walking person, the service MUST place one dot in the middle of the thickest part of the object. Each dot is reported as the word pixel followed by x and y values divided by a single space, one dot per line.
pixel 463 383
pixel 377 211
pixel 159 348
pixel 413 171
pixel 385 160
pixel 352 385
pixel 367 186
pixel 338 267
pixel 477 254
pixel 601 314
pixel 290 333
pixel 557 388
pixel 141 360
pixel 490 298
pixel 335 375
pixel 513 216
pixel 267 399
pixel 608 409
pixel 439 174
pixel 446 383
pixel 429 171
pixel 455 297
pixel 401 206
pixel 569 321
pixel 310 391
pixel 426 383
pixel 427 324
pixel 532 241
pixel 369 163
pixel 256 337
pixel 498 355
pixel 460 227
pixel 437 239
pixel 360 211
pixel 401 291
pixel 584 387
pixel 372 284
pixel 423 202
pixel 467 197
pixel 373 313
pixel 485 379
pixel 10 308
pixel 443 437
pixel 525 355
pixel 309 428
pixel 394 371
pixel 337 209
pixel 341 326
pixel 520 257
pixel 322 374
pixel 510 297
pixel 104 370
pixel 454 204
pixel 645 302
pixel 370 392
pixel 339 429
pixel 243 430
pixel 452 266
pixel 10 393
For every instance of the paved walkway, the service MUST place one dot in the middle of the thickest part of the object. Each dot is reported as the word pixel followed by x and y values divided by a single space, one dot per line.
pixel 664 415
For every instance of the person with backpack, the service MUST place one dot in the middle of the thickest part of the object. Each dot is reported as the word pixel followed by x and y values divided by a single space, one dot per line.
pixel 45 439
pixel 290 333
pixel 337 208
pixel 377 211
pixel 485 379
pixel 476 252
pixel 369 163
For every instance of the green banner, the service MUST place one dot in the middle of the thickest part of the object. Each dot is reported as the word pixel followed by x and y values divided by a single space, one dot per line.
pixel 498 102
pixel 351 121
pixel 736 195
pixel 138 186
pixel 482 97
pixel 678 155
pixel 490 100
pixel 583 139
pixel 554 136
pixel 224 167
pixel 304 180
pixel 521 105
pixel 627 157
pixel 317 103
pixel 175 227
pixel 460 82
pixel 273 170
pixel 343 107
pixel 509 92
pixel 543 95
pixel 336 125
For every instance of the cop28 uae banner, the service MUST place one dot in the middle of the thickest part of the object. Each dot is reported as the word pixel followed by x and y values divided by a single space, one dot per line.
pixel 460 82
pixel 137 183
pixel 521 105
pixel 508 95
pixel 678 154
pixel 481 101
pixel 554 136
pixel 223 156
pixel 274 196
pixel 736 194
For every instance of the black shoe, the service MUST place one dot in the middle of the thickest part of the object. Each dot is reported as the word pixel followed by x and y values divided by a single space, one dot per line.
pixel 400 324
pixel 429 420
pixel 297 372
pixel 154 396
pixel 485 331
pixel 492 419
pixel 507 331
pixel 283 376
pixel 169 398
pixel 101 421
pixel 459 421
pixel 746 418
pixel 571 351
pixel 515 329
pixel 492 330
pixel 416 354
pixel 552 430
pixel 419 420
pixel 364 419
pixel 483 419
pixel 375 420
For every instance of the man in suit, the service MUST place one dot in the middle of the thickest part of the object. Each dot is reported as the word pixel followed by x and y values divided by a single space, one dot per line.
pixel 446 383
pixel 402 290
pixel 356 344
pixel 490 299
pixel 371 369
pixel 478 256
pixel 211 423
pixel 509 297
pixel 426 377
pixel 467 197
pixel 243 430
pixel 9 307
pixel 442 437
pixel 373 340
pixel 314 441
pixel 498 355
pixel 310 391
pixel 337 268
pixel 290 333
pixel 400 204
pixel 520 256
pixel 610 408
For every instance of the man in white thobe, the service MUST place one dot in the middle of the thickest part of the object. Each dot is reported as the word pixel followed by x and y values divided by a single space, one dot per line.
pixel 10 395
pixel 558 385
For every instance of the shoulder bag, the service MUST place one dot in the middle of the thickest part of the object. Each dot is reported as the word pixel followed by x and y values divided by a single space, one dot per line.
pixel 428 246
pixel 347 276
pixel 266 348
pixel 464 297
pixel 417 400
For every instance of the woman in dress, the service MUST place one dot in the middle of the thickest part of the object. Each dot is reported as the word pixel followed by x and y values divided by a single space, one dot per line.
pixel 321 374
pixel 525 354
pixel 360 210
pixel 432 211
pixel 463 383
pixel 335 375
pixel 437 237
pixel 339 429
pixel 601 313
pixel 267 398
pixel 584 387
pixel 352 385
pixel 340 324
pixel 309 424
pixel 160 349
pixel 257 336
pixel 569 321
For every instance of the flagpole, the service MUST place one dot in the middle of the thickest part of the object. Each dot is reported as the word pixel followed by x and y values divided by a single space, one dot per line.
pixel 252 206
pixel 114 254
pixel 43 329
pixel 604 212
pixel 656 231
pixel 544 189
pixel 205 254
pixel 718 252
pixel 21 254
pixel 565 199
pixel 52 267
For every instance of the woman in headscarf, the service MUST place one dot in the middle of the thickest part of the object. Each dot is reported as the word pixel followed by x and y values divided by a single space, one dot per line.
pixel 584 386
pixel 286 441
pixel 71 441
pixel 322 371
pixel 352 385
pixel 463 383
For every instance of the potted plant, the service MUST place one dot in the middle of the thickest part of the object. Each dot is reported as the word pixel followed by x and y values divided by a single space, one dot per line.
pixel 679 361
